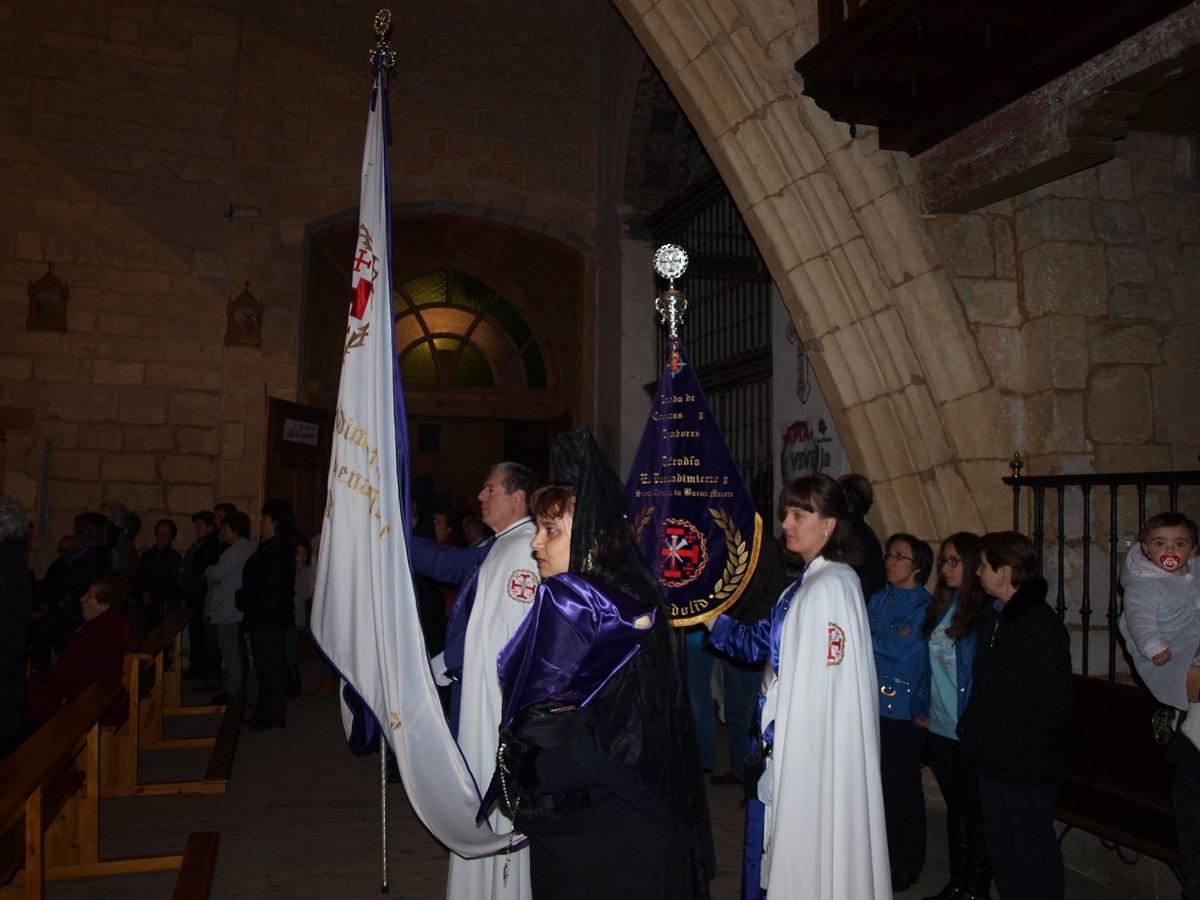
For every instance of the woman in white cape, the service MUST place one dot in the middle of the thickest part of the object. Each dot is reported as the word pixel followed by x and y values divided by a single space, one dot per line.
pixel 824 834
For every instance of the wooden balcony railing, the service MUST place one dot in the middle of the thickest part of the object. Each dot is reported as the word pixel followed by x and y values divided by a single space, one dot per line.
pixel 922 70
pixel 832 13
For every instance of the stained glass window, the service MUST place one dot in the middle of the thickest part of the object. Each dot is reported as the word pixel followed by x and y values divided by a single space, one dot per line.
pixel 453 330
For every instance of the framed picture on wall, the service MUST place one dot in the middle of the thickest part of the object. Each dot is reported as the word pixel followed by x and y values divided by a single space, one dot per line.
pixel 243 323
pixel 47 303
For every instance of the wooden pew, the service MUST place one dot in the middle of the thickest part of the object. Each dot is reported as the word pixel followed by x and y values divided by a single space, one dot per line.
pixel 50 806
pixel 154 692
pixel 199 863
pixel 166 686
pixel 1120 784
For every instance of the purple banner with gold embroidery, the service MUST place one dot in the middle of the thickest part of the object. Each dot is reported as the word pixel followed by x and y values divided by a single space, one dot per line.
pixel 689 508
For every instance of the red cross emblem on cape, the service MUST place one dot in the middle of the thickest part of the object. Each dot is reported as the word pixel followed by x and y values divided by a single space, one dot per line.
pixel 835 649
pixel 522 586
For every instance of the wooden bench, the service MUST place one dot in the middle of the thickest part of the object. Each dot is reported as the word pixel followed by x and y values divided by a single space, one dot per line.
pixel 50 807
pixel 199 863
pixel 154 693
pixel 1119 788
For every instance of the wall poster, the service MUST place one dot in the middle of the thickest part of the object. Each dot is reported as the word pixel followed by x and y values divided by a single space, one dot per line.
pixel 806 439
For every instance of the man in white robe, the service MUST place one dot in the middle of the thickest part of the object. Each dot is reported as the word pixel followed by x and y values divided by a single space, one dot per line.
pixel 495 599
pixel 824 820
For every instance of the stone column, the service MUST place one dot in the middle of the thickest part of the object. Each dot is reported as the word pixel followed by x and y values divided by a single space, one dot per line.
pixel 625 331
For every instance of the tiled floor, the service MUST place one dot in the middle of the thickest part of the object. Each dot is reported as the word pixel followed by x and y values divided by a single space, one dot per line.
pixel 301 820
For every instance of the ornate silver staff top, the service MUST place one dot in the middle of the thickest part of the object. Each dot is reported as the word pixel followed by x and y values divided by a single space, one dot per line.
pixel 670 262
pixel 382 53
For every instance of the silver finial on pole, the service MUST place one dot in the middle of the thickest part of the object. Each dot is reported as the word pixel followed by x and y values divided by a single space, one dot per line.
pixel 1016 465
pixel 382 55
pixel 670 262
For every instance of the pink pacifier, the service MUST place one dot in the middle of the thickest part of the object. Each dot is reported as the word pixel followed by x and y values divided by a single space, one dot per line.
pixel 1171 563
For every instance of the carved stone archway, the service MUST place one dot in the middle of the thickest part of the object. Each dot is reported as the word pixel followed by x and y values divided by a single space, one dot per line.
pixel 837 223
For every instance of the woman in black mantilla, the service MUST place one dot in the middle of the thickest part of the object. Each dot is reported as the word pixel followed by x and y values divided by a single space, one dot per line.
pixel 598 762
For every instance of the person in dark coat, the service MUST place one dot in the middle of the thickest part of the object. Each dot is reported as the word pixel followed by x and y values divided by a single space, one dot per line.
pixel 870 569
pixel 16 604
pixel 93 560
pixel 265 599
pixel 94 655
pixel 204 551
pixel 50 591
pixel 431 595
pixel 158 575
pixel 598 765
pixel 123 529
pixel 1185 792
pixel 1015 724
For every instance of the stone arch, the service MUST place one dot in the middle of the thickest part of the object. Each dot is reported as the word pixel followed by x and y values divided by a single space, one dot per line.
pixel 540 272
pixel 858 270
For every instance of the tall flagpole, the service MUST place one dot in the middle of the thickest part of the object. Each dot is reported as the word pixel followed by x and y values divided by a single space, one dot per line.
pixel 383 757
pixel 383 57
pixel 670 262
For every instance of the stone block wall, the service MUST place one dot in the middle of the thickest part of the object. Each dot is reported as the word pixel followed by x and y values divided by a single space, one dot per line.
pixel 125 131
pixel 1082 296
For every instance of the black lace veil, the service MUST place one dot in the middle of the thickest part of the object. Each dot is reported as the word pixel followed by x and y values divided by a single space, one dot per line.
pixel 602 543
pixel 642 736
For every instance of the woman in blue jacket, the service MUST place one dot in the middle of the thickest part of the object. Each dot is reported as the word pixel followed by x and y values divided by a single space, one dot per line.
pixel 896 615
pixel 939 699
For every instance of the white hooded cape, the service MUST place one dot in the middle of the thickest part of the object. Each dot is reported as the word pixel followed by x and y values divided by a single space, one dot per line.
pixel 508 581
pixel 825 832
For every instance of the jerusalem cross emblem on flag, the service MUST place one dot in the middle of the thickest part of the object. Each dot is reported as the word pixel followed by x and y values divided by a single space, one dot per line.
pixel 682 552
pixel 366 270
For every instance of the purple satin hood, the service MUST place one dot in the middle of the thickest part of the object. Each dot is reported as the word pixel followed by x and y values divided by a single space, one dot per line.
pixel 577 636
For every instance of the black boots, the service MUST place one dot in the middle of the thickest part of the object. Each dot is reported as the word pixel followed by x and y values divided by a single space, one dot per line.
pixel 970 870
pixel 977 868
pixel 958 844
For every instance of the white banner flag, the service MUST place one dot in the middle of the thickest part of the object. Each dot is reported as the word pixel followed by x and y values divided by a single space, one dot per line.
pixel 365 610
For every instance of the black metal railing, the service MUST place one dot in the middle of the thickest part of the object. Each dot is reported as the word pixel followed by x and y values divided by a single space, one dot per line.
pixel 1139 486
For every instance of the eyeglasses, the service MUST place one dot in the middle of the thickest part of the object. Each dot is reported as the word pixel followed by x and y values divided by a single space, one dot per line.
pixel 952 561
pixel 898 557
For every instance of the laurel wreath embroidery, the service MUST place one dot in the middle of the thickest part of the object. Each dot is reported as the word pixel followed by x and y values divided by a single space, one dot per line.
pixel 737 557
pixel 358 338
pixel 640 523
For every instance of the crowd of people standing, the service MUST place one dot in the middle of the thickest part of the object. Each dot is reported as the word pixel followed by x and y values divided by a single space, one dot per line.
pixel 972 680
pixel 100 597
pixel 849 665
pixel 851 692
